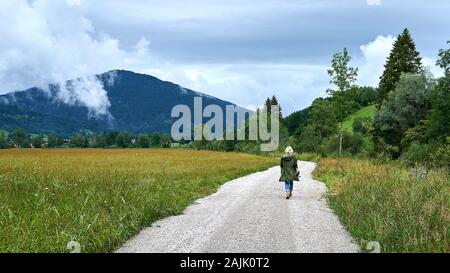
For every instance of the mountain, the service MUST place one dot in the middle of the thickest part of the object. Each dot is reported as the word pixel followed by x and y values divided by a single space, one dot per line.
pixel 138 103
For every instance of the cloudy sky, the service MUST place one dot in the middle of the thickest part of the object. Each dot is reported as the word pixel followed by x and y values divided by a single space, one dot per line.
pixel 238 50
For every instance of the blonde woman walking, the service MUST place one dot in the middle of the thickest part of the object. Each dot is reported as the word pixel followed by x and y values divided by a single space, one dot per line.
pixel 289 171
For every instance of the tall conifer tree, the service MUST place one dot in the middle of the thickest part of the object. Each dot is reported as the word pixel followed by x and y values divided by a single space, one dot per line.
pixel 274 101
pixel 404 58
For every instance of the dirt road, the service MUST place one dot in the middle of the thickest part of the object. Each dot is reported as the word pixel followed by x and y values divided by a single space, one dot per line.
pixel 251 214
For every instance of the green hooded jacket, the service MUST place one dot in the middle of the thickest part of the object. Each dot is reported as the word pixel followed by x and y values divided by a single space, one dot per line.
pixel 289 169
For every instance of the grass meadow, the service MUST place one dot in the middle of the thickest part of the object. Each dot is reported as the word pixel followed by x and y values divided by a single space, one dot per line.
pixel 365 112
pixel 100 198
pixel 385 203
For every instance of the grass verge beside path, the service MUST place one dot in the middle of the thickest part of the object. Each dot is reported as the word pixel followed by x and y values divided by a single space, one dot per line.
pixel 384 203
pixel 308 157
pixel 100 198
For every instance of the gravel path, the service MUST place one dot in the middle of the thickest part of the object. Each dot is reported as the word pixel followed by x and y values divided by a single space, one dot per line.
pixel 251 214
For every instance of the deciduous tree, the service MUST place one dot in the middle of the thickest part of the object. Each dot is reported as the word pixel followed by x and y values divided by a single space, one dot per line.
pixel 344 77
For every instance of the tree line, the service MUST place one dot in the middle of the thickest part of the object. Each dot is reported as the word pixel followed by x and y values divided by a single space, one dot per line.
pixel 20 139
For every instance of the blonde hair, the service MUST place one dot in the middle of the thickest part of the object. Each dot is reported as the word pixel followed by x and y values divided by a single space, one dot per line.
pixel 289 150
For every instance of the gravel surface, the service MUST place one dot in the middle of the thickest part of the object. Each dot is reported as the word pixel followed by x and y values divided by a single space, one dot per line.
pixel 251 214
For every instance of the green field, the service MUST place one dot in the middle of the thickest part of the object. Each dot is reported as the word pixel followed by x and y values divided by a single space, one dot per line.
pixel 385 203
pixel 368 111
pixel 100 198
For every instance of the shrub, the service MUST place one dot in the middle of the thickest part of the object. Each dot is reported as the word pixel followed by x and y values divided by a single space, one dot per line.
pixel 123 139
pixel 417 154
pixel 37 141
pixel 3 140
pixel 309 141
pixel 166 141
pixel 155 139
pixel 383 150
pixel 143 141
pixel 415 134
pixel 26 143
pixel 441 157
pixel 352 144
pixel 428 155
pixel 54 141
pixel 19 138
pixel 78 141
pixel 362 125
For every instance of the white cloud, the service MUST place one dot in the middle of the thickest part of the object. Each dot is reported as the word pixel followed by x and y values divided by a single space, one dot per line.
pixel 375 54
pixel 88 92
pixel 249 84
pixel 51 42
pixel 430 64
pixel 373 2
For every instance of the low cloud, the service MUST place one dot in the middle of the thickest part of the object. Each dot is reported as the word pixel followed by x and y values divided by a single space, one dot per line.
pixel 51 42
pixel 88 92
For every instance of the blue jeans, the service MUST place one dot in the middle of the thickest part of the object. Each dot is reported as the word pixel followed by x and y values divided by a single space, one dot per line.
pixel 289 186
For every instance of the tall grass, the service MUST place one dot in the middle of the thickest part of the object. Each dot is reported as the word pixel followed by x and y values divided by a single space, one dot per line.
pixel 385 203
pixel 308 157
pixel 100 198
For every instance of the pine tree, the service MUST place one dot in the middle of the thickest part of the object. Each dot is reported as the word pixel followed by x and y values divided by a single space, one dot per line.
pixel 267 104
pixel 404 58
pixel 274 101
